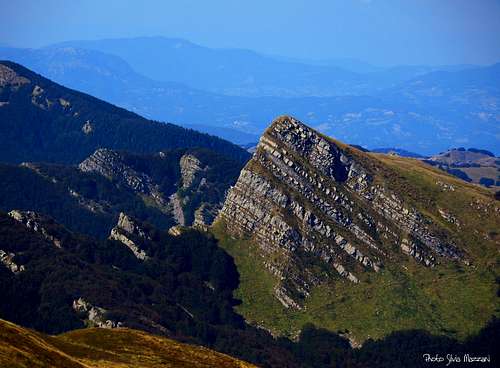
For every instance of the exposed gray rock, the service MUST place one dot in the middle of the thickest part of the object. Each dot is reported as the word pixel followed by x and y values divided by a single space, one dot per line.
pixel 448 217
pixel 64 103
pixel 9 77
pixel 445 187
pixel 304 198
pixel 170 200
pixel 38 98
pixel 125 230
pixel 88 127
pixel 176 230
pixel 177 211
pixel 111 165
pixel 94 316
pixel 90 204
pixel 35 222
pixel 412 248
pixel 190 169
pixel 7 259
pixel 205 215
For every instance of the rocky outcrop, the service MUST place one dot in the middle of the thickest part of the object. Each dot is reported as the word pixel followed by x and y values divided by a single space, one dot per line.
pixel 88 127
pixel 448 217
pixel 112 165
pixel 39 99
pixel 38 223
pixel 64 103
pixel 310 203
pixel 9 77
pixel 177 210
pixel 191 168
pixel 205 215
pixel 90 204
pixel 194 181
pixel 7 259
pixel 445 187
pixel 127 231
pixel 157 181
pixel 94 316
pixel 176 230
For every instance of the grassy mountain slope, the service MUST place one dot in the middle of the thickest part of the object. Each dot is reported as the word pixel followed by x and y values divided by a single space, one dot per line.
pixel 21 347
pixel 451 298
pixel 472 165
pixel 54 281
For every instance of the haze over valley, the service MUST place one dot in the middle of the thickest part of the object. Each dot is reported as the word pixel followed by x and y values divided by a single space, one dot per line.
pixel 234 93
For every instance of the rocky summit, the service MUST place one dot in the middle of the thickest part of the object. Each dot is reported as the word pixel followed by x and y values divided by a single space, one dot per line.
pixel 316 210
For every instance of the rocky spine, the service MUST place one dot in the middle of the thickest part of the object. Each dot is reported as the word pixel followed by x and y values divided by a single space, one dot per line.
pixel 309 204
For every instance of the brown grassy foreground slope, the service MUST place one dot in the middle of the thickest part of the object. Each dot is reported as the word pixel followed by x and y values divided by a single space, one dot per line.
pixel 21 347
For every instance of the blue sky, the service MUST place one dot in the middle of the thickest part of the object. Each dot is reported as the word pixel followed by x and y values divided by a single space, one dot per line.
pixel 384 32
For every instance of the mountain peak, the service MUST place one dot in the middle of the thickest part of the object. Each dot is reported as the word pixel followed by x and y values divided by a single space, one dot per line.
pixel 316 210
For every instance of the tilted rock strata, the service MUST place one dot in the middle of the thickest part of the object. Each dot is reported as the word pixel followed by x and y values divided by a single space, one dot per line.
pixel 110 164
pixel 125 230
pixel 306 202
pixel 35 222
pixel 173 200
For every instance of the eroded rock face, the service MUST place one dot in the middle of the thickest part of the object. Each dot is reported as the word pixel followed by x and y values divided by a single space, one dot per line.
pixel 205 215
pixel 177 210
pixel 111 165
pixel 171 199
pixel 176 230
pixel 7 259
pixel 95 316
pixel 190 169
pixel 309 203
pixel 125 231
pixel 9 77
pixel 36 222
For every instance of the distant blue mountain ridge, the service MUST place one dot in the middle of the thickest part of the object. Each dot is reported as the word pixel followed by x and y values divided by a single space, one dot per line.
pixel 418 111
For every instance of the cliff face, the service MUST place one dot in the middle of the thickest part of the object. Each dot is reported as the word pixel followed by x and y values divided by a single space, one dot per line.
pixel 41 224
pixel 316 210
pixel 189 185
pixel 126 231
pixel 113 165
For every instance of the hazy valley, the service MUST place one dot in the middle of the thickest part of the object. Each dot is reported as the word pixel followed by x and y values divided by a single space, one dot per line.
pixel 424 109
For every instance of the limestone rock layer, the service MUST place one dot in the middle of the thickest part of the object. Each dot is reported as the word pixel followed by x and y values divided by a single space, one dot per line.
pixel 315 212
